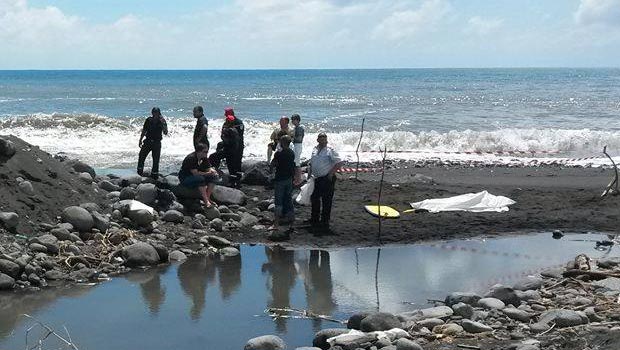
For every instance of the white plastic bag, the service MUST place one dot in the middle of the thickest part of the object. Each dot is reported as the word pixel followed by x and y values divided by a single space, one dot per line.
pixel 303 197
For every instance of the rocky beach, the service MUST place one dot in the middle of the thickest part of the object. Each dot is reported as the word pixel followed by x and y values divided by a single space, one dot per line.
pixel 64 223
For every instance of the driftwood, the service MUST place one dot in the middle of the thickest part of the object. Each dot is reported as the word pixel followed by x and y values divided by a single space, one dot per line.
pixel 357 154
pixel 592 274
pixel 614 182
pixel 49 332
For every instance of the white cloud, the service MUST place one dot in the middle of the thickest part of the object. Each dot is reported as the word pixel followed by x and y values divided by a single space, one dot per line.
pixel 598 12
pixel 408 23
pixel 483 26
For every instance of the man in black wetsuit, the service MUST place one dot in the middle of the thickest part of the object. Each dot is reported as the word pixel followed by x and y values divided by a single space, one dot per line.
pixel 234 153
pixel 202 126
pixel 154 127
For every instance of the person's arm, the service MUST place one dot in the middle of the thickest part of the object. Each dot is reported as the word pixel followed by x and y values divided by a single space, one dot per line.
pixel 274 161
pixel 164 126
pixel 338 162
pixel 146 122
pixel 201 133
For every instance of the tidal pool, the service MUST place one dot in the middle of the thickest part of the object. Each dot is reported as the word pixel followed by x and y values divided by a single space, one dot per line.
pixel 214 303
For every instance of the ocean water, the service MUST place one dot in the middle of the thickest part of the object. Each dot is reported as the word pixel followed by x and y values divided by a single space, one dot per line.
pixel 430 113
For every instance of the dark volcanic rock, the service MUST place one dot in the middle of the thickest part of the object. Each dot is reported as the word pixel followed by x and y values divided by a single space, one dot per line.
pixel 379 321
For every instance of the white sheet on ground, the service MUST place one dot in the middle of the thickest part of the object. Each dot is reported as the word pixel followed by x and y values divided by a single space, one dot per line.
pixel 474 202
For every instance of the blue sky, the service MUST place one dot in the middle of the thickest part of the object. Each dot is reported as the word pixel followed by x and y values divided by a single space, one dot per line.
pixel 248 34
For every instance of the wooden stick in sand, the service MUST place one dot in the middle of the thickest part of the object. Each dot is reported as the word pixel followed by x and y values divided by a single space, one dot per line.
pixel 613 182
pixel 357 165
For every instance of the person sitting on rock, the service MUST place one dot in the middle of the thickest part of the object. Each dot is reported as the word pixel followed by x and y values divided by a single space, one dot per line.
pixel 196 172
pixel 228 149
pixel 154 127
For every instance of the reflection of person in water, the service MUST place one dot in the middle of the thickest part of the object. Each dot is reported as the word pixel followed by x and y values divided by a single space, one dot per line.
pixel 194 274
pixel 281 266
pixel 229 274
pixel 153 293
pixel 319 286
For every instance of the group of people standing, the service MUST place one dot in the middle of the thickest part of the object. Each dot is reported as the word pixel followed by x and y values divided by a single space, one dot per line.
pixel 198 169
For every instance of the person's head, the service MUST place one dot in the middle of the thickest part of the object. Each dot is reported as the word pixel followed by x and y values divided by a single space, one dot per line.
pixel 229 114
pixel 155 112
pixel 285 141
pixel 202 150
pixel 198 112
pixel 295 119
pixel 284 122
pixel 322 139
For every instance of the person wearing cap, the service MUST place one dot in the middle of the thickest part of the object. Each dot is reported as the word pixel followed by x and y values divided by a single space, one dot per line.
pixel 234 144
pixel 152 130
pixel 201 128
pixel 274 145
pixel 324 163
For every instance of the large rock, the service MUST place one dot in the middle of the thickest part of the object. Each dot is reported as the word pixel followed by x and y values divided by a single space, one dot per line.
pixel 146 193
pixel 529 283
pixel 355 321
pixel 406 344
pixel 491 303
pixel 48 241
pixel 10 268
pixel 173 216
pixel 475 327
pixel 131 180
pixel 505 294
pixel 450 329
pixel 82 167
pixel 460 297
pixel 379 321
pixel 227 195
pixel 101 222
pixel 6 282
pixel 320 338
pixel 516 314
pixel 463 310
pixel 177 255
pixel 139 213
pixel 9 220
pixel 61 233
pixel 7 148
pixel 26 187
pixel 248 220
pixel 563 318
pixel 127 193
pixel 79 217
pixel 257 174
pixel 86 178
pixel 265 342
pixel 140 254
pixel 108 186
pixel 431 312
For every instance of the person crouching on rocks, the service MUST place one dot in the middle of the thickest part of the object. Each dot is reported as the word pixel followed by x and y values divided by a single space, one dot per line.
pixel 154 127
pixel 196 172
pixel 324 163
pixel 284 164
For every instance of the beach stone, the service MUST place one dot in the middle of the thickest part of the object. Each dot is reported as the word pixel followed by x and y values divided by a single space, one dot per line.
pixel 592 316
pixel 113 195
pixel 48 241
pixel 61 233
pixel 224 209
pixel 54 275
pixel 448 329
pixel 320 338
pixel 423 179
pixel 127 193
pixel 217 241
pixel 230 216
pixel 172 180
pixel 217 224
pixel 161 250
pixel 608 263
pixel 406 344
pixel 79 217
pixel 6 282
pixel 460 297
pixel 355 321
pixel 491 303
pixel 475 327
pixel 430 323
pixel 212 213
pixel 528 295
pixel 81 167
pixel 128 180
pixel 146 193
pixel 26 187
pixel 10 220
pixel 610 283
pixel 257 174
pixel 100 222
pixel 562 318
pixel 517 314
pixel 463 310
pixel 37 248
pixel 229 251
pixel 108 186
pixel 529 283
pixel 7 148
pixel 264 204
pixel 379 321
pixel 505 294
pixel 248 220
pixel 177 255
pixel 140 254
pixel 140 217
pixel 431 312
pixel 86 178
pixel 10 268
pixel 90 207
pixel 265 342
pixel 227 195
pixel 173 216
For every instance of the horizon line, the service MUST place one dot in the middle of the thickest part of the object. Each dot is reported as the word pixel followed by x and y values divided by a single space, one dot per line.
pixel 300 69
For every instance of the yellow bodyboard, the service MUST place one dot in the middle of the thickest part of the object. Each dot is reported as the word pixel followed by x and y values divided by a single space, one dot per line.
pixel 386 211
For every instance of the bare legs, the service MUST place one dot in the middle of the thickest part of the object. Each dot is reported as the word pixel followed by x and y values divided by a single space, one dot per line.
pixel 205 192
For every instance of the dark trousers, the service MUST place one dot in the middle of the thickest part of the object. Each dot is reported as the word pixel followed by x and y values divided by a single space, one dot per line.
pixel 233 162
pixel 323 194
pixel 153 147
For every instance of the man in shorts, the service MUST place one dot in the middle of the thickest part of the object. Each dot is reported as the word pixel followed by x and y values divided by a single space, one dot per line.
pixel 196 172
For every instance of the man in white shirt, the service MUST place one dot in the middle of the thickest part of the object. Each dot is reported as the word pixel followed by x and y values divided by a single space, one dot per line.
pixel 324 163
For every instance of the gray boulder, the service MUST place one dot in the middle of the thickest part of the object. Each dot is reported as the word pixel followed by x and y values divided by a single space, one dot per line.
pixel 7 148
pixel 460 297
pixel 475 327
pixel 140 217
pixel 505 294
pixel 257 174
pixel 379 321
pixel 61 233
pixel 10 220
pixel 81 167
pixel 265 342
pixel 431 312
pixel 101 222
pixel 146 193
pixel 563 318
pixel 131 180
pixel 177 255
pixel 529 283
pixel 248 220
pixel 229 251
pixel 48 241
pixel 173 216
pixel 90 207
pixel 140 254
pixel 127 193
pixel 217 225
pixel 406 344
pixel 448 329
pixel 6 282
pixel 320 338
pixel 10 268
pixel 463 310
pixel 227 195
pixel 86 178
pixel 108 186
pixel 516 314
pixel 79 217
pixel 491 303
pixel 355 321
pixel 26 187
pixel 212 213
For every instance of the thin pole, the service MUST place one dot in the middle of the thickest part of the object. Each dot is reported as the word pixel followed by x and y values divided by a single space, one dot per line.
pixel 357 165
pixel 384 151
pixel 377 278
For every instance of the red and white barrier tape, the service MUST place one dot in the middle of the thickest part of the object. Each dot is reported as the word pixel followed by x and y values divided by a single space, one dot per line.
pixel 359 170
pixel 517 152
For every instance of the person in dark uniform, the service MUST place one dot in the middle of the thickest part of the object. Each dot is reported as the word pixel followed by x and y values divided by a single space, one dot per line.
pixel 201 128
pixel 234 151
pixel 154 127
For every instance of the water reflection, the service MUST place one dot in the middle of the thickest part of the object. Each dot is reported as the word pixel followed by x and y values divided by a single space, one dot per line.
pixel 280 266
pixel 194 275
pixel 318 285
